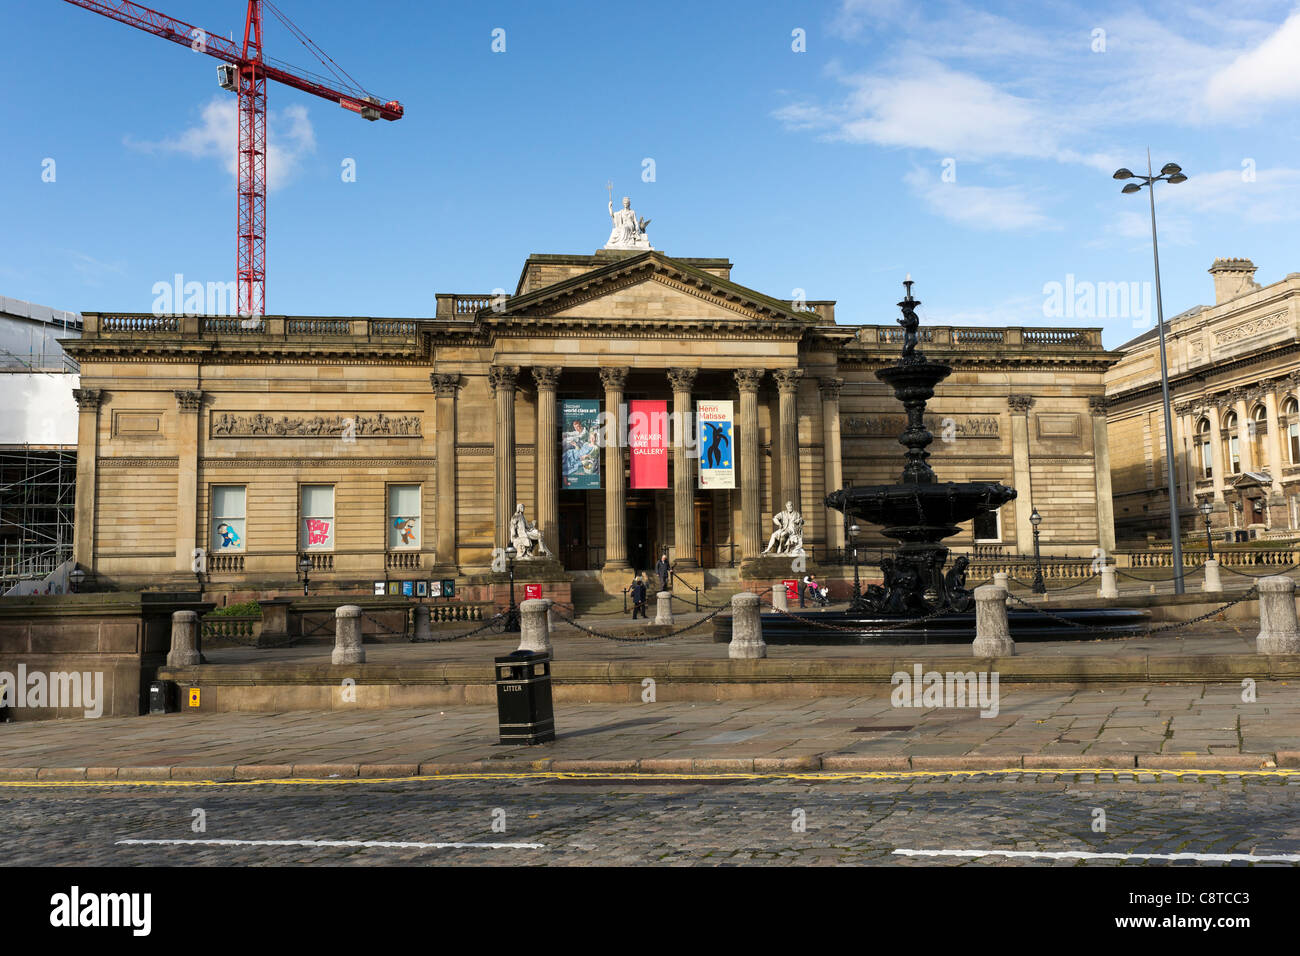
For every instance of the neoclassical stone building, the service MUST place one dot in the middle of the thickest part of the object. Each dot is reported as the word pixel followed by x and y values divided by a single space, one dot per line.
pixel 399 448
pixel 1234 378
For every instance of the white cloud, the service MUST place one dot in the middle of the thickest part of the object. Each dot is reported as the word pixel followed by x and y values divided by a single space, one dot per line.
pixel 1004 208
pixel 1264 74
pixel 289 135
pixel 1273 195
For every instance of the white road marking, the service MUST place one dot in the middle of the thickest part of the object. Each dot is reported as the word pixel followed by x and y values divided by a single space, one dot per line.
pixel 1083 855
pixel 386 844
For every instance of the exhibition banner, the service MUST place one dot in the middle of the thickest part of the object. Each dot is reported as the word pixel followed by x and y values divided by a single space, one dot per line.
pixel 716 444
pixel 579 443
pixel 648 437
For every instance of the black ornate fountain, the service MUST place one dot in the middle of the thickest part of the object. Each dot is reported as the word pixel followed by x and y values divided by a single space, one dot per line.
pixel 918 511
pixel 917 602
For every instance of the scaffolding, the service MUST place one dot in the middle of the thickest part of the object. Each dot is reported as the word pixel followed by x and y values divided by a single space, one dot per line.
pixel 37 509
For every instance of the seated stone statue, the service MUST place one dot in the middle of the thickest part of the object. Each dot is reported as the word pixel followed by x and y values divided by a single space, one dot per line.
pixel 960 598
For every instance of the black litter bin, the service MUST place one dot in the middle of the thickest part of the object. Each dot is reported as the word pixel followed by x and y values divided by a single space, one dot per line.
pixel 162 697
pixel 524 708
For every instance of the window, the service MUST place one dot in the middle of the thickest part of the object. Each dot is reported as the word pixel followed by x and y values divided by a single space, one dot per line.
pixel 1234 440
pixel 1203 442
pixel 1291 409
pixel 987 527
pixel 403 517
pixel 228 503
pixel 318 517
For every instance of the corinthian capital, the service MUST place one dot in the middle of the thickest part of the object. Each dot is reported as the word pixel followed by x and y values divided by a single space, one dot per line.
pixel 787 379
pixel 87 399
pixel 444 384
pixel 546 376
pixel 613 377
pixel 503 377
pixel 1020 403
pixel 748 379
pixel 682 379
pixel 188 400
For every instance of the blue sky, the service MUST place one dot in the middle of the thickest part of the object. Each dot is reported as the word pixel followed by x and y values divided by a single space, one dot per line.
pixel 821 170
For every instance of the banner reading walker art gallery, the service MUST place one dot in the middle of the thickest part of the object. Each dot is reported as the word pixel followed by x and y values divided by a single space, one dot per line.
pixel 579 448
pixel 647 434
pixel 717 463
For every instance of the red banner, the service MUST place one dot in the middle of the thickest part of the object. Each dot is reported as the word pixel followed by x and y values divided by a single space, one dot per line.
pixel 647 434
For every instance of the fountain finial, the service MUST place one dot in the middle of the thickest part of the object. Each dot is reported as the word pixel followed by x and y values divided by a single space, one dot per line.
pixel 907 284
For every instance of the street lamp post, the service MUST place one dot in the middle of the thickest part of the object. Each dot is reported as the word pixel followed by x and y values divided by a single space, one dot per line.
pixel 304 571
pixel 1171 173
pixel 1206 508
pixel 75 577
pixel 857 584
pixel 1040 586
pixel 512 613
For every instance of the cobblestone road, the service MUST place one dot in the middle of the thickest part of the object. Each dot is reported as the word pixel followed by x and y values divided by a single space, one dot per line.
pixel 716 822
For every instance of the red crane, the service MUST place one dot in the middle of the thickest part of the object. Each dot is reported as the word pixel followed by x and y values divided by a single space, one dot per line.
pixel 245 71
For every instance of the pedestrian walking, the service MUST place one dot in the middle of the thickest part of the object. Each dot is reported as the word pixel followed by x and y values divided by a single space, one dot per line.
pixel 638 596
pixel 663 569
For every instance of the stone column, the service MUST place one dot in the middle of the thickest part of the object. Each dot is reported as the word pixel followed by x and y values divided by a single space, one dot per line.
pixel 1278 630
pixel 1101 471
pixel 502 379
pixel 682 380
pixel 615 494
pixel 190 404
pixel 445 388
pixel 751 535
pixel 746 628
pixel 1243 437
pixel 347 636
pixel 832 465
pixel 548 480
pixel 1183 445
pixel 1273 442
pixel 787 383
pixel 184 651
pixel 992 636
pixel 1020 405
pixel 88 400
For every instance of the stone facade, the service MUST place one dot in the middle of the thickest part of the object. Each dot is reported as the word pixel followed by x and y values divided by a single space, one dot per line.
pixel 437 428
pixel 1234 378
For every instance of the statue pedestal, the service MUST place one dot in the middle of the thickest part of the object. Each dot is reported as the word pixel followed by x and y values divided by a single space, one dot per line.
pixel 777 568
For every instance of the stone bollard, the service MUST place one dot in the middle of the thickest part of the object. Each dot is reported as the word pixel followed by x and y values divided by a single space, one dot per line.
pixel 347 636
pixel 746 627
pixel 1278 630
pixel 664 608
pixel 1109 587
pixel 1002 580
pixel 423 632
pixel 778 597
pixel 533 634
pixel 185 640
pixel 992 636
pixel 1212 580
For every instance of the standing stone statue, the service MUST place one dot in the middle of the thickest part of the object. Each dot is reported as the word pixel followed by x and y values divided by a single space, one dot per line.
pixel 525 537
pixel 787 538
pixel 628 231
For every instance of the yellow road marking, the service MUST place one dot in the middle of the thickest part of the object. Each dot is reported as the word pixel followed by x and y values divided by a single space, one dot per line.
pixel 825 776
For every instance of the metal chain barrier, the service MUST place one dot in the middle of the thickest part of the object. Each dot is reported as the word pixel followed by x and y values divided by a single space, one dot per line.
pixel 406 625
pixel 1134 577
pixel 1029 584
pixel 938 612
pixel 645 639
pixel 1094 629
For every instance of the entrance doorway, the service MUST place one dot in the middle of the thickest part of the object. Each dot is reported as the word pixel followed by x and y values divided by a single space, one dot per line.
pixel 573 536
pixel 705 535
pixel 641 533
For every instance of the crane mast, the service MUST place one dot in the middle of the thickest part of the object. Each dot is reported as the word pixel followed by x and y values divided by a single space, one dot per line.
pixel 244 70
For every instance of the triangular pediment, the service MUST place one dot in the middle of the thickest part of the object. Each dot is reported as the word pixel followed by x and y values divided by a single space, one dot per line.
pixel 650 287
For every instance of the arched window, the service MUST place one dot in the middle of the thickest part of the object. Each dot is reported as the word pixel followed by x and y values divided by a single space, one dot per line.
pixel 1258 430
pixel 1233 443
pixel 1291 409
pixel 1203 443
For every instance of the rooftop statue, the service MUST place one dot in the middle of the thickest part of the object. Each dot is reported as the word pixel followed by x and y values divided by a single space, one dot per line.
pixel 628 231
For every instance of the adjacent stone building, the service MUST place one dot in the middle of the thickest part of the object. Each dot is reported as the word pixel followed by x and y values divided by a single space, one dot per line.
pixel 1234 379
pixel 399 448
